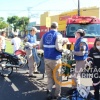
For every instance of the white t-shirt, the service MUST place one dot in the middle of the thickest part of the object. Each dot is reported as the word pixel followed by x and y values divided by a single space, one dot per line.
pixel 16 43
pixel 3 46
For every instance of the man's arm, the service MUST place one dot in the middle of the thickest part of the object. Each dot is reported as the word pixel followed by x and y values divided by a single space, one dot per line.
pixel 26 39
pixel 59 43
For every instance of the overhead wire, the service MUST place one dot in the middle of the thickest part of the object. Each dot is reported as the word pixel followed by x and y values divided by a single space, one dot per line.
pixel 20 11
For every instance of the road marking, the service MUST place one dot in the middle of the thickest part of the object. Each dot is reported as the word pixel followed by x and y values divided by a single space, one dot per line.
pixel 7 79
pixel 14 87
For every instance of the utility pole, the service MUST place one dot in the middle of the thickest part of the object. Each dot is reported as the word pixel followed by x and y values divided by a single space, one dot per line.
pixel 78 7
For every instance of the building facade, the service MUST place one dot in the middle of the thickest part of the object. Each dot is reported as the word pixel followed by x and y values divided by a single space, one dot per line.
pixel 62 18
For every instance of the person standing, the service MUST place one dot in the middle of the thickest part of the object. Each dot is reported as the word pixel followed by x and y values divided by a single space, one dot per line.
pixel 80 54
pixel 16 42
pixel 3 45
pixel 94 53
pixel 31 52
pixel 52 42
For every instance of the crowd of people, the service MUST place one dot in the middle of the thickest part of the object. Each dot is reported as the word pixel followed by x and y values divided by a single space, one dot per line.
pixel 52 44
pixel 16 41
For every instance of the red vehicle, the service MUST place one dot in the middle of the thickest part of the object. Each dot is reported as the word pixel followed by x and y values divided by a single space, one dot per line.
pixel 91 25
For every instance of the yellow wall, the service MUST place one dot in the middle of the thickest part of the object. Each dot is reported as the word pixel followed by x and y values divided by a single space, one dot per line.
pixel 63 19
pixel 43 18
pixel 54 18
pixel 90 12
pixel 47 14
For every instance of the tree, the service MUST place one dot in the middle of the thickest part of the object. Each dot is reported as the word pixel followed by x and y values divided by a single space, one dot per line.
pixel 1 19
pixel 13 20
pixel 3 24
pixel 23 22
pixel 18 22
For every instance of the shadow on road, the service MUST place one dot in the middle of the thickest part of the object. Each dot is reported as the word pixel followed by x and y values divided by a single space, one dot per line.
pixel 19 87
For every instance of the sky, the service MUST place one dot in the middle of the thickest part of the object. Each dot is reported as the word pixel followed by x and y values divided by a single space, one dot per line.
pixel 33 8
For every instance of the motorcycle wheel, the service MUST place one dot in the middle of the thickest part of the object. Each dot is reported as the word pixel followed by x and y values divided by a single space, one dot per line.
pixel 5 71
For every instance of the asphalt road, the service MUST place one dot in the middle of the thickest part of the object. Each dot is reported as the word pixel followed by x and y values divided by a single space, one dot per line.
pixel 20 87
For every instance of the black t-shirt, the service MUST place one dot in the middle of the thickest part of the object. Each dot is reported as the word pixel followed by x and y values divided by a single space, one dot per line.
pixel 95 54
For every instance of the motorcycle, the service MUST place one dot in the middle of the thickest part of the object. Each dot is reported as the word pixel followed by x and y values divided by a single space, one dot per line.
pixel 8 62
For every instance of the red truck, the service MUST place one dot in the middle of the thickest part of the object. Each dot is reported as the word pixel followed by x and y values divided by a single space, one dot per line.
pixel 91 25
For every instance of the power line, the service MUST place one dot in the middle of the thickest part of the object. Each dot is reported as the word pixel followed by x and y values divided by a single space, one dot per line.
pixel 29 8
pixel 47 10
pixel 74 3
pixel 20 11
pixel 34 10
pixel 40 3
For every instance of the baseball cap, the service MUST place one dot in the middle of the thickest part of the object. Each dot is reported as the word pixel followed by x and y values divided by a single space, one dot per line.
pixel 55 24
pixel 34 28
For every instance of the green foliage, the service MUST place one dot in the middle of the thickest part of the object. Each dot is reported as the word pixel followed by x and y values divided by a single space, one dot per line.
pixel 9 47
pixel 18 22
pixel 1 19
pixel 3 24
pixel 12 20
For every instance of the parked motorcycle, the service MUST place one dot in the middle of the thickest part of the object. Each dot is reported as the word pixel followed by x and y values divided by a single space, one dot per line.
pixel 8 62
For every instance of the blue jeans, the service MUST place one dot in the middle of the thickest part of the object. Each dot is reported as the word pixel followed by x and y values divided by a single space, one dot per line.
pixel 35 55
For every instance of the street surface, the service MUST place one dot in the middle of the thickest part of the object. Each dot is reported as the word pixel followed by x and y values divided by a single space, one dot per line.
pixel 20 87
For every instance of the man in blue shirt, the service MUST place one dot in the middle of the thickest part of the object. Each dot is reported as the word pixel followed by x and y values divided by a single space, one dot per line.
pixel 52 42
pixel 30 48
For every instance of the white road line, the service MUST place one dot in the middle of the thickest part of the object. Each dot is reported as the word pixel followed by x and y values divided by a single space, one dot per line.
pixel 7 79
pixel 14 87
